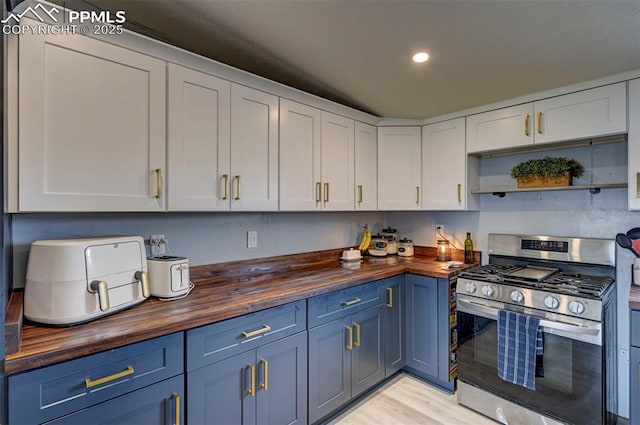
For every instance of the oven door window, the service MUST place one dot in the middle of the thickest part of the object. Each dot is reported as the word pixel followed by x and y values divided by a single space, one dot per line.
pixel 568 378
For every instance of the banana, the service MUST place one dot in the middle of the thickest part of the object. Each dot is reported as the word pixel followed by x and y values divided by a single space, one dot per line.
pixel 366 239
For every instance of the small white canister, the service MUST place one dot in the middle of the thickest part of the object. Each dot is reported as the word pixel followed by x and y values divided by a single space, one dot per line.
pixel 169 276
pixel 636 271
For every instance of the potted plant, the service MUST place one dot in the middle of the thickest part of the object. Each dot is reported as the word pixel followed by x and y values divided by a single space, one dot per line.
pixel 546 172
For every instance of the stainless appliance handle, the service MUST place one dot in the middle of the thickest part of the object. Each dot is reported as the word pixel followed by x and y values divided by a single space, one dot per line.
pixel 476 309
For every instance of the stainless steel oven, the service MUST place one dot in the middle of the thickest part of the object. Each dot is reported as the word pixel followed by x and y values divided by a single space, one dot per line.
pixel 575 304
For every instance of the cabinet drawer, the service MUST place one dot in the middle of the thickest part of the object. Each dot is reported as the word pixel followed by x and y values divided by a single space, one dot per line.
pixel 328 307
pixel 44 394
pixel 635 328
pixel 211 343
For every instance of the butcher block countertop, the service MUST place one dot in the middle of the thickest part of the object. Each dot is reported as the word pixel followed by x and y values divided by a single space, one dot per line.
pixel 634 297
pixel 222 291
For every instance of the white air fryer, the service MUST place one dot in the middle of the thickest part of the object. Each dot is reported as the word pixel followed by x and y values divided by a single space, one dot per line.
pixel 169 276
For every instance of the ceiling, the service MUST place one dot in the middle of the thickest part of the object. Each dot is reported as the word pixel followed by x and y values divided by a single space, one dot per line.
pixel 357 52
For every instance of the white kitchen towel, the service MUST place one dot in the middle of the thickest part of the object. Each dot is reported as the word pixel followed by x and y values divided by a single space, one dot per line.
pixel 519 342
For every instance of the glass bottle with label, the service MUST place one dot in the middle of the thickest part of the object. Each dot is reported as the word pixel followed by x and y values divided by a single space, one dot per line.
pixel 468 249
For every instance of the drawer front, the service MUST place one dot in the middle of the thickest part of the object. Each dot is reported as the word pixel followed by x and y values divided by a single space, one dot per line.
pixel 635 328
pixel 328 307
pixel 48 393
pixel 211 343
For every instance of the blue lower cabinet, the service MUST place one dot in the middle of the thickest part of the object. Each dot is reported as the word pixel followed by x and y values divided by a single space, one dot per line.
pixel 161 404
pixel 266 385
pixel 428 330
pixel 634 386
pixel 346 357
pixel 394 340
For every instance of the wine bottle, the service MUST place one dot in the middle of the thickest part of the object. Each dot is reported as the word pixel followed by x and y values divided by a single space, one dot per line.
pixel 468 249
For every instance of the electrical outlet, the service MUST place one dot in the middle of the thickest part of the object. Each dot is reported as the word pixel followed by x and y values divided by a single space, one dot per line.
pixel 439 230
pixel 158 244
pixel 252 239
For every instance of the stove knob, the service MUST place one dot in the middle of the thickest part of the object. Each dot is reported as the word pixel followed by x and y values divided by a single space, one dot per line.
pixel 517 296
pixel 551 302
pixel 470 287
pixel 487 291
pixel 576 307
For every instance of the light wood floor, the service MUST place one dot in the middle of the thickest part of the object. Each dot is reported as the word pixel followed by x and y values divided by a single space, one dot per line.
pixel 406 400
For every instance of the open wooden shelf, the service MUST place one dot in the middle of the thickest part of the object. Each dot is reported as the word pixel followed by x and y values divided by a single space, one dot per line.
pixel 593 188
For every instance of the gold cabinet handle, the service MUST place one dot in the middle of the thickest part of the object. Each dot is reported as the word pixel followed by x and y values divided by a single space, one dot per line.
pixel 637 185
pixel 326 192
pixel 143 277
pixel 89 383
pixel 158 182
pixel 265 374
pixel 263 329
pixel 526 125
pixel 176 398
pixel 318 192
pixel 356 343
pixel 540 122
pixel 350 338
pixel 225 177
pixel 418 195
pixel 359 193
pixel 237 198
pixel 459 193
pixel 390 297
pixel 102 288
pixel 252 389
pixel 350 302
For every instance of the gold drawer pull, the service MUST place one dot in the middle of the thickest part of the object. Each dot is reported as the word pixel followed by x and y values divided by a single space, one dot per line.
pixel 176 397
pixel 390 297
pixel 143 277
pixel 265 371
pixel 263 329
pixel 459 193
pixel 359 193
pixel 237 198
pixel 417 195
pixel 539 122
pixel 158 182
pixel 90 383
pixel 318 192
pixel 326 192
pixel 225 177
pixel 351 302
pixel 350 343
pixel 637 185
pixel 252 390
pixel 526 125
pixel 357 341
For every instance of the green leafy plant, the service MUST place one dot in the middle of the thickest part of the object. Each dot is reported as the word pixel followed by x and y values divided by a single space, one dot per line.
pixel 547 167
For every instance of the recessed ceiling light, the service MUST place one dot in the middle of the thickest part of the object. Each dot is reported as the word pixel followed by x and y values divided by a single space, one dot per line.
pixel 420 57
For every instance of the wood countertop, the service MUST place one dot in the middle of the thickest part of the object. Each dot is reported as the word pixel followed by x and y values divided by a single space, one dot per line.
pixel 634 297
pixel 221 292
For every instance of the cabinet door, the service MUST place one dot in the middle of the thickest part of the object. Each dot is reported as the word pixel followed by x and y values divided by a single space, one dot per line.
pixel 634 145
pixel 394 341
pixel 366 169
pixel 422 324
pixel 590 113
pixel 399 168
pixel 91 135
pixel 337 162
pixel 500 129
pixel 198 145
pixel 367 363
pixel 444 165
pixel 282 381
pixel 634 386
pixel 300 184
pixel 219 393
pixel 254 150
pixel 158 404
pixel 329 368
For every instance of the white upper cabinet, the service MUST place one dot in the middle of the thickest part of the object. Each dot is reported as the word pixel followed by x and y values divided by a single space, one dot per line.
pixel 444 167
pixel 254 150
pixel 366 170
pixel 316 159
pixel 634 145
pixel 199 141
pixel 500 129
pixel 399 168
pixel 337 162
pixel 590 113
pixel 91 123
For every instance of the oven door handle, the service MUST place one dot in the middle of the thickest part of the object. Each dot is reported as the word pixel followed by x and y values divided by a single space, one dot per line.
pixel 466 306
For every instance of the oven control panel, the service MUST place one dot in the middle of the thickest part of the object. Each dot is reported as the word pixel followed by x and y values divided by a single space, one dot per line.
pixel 546 245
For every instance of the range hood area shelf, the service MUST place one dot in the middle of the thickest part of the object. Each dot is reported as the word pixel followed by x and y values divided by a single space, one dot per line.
pixel 593 188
